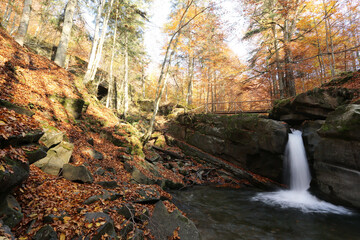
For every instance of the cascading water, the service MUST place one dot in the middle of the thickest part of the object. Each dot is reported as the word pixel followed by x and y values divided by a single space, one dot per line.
pixel 298 171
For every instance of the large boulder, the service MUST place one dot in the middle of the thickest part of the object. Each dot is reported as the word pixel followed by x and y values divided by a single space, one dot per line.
pixel 10 211
pixel 51 137
pixel 56 158
pixel 343 123
pixel 245 140
pixel 163 224
pixel 337 156
pixel 311 105
pixel 10 179
pixel 77 174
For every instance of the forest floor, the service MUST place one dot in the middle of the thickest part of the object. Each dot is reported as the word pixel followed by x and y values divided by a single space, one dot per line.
pixel 30 81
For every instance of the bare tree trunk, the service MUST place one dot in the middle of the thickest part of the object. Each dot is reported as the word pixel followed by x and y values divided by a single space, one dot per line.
pixel 320 57
pixel 143 82
pixel 328 39
pixel 112 90
pixel 100 44
pixel 95 41
pixel 7 13
pixel 190 84
pixel 126 77
pixel 24 23
pixel 66 33
pixel 13 27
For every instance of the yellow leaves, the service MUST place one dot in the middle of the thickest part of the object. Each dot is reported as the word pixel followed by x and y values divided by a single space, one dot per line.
pixel 66 219
pixel 62 236
pixel 34 215
pixel 2 168
pixel 90 225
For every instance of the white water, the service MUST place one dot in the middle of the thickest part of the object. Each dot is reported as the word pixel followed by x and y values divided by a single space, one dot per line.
pixel 298 195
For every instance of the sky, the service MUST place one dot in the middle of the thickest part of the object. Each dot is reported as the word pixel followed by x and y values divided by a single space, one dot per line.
pixel 160 10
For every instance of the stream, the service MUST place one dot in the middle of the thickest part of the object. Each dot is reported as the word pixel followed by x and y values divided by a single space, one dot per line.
pixel 230 214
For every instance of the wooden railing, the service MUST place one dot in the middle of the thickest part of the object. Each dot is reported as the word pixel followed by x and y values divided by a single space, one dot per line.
pixel 258 106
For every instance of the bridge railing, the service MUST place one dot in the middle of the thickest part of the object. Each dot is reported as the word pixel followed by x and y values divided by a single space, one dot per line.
pixel 258 106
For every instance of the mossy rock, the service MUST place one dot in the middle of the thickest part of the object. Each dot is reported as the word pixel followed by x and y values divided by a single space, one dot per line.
pixel 343 123
pixel 74 106
pixel 16 108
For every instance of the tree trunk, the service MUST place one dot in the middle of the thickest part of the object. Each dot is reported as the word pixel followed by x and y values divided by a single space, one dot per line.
pixel 190 79
pixel 95 42
pixel 66 33
pixel 328 39
pixel 24 23
pixel 7 13
pixel 110 96
pixel 126 77
pixel 98 54
pixel 289 72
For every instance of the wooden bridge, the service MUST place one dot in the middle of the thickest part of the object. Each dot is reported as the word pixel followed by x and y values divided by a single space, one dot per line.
pixel 258 106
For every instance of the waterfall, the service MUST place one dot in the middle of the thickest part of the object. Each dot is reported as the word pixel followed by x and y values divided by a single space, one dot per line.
pixel 297 196
pixel 297 163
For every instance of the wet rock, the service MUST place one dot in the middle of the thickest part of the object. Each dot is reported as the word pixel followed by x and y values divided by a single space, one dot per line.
pixel 337 157
pixel 162 224
pixel 56 158
pixel 11 211
pixel 45 233
pixel 77 174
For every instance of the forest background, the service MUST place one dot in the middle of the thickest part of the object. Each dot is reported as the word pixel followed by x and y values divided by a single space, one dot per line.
pixel 296 45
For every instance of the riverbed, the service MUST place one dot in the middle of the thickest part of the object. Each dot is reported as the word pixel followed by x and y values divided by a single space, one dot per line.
pixel 230 214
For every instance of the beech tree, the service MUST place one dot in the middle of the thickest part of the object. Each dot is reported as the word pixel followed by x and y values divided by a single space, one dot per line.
pixel 24 23
pixel 66 33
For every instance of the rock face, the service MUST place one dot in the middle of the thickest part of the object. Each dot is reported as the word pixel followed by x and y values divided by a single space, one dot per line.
pixel 247 141
pixel 163 224
pixel 337 156
pixel 312 105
